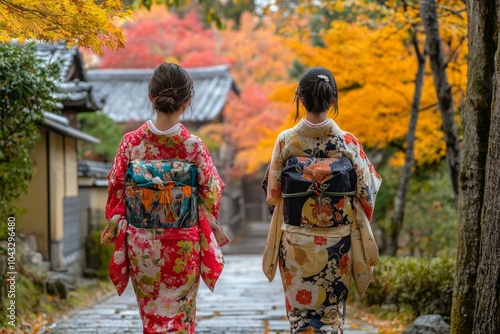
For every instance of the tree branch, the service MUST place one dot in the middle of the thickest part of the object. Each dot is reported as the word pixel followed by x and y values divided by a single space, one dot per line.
pixel 454 51
pixel 430 106
pixel 453 12
pixel 43 15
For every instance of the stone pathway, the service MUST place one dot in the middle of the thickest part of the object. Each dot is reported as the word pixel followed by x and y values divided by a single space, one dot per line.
pixel 244 302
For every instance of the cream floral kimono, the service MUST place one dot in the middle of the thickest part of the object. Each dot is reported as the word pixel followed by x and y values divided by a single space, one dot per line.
pixel 165 264
pixel 316 263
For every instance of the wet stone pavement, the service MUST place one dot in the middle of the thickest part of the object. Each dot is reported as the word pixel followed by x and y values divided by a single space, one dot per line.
pixel 244 302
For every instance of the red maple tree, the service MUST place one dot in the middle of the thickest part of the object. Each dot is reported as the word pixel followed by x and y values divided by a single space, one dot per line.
pixel 157 35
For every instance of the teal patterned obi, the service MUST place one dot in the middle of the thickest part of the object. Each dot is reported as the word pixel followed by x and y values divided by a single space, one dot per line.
pixel 161 194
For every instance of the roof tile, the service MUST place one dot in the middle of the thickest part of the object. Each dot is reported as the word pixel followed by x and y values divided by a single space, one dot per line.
pixel 126 97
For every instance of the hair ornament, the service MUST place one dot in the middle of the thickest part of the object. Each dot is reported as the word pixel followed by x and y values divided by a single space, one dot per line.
pixel 323 77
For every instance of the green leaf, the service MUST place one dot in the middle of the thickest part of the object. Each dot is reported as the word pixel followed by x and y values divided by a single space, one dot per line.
pixel 218 23
pixel 147 4
pixel 28 87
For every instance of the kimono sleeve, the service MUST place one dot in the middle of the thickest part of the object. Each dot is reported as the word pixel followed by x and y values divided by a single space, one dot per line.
pixel 115 205
pixel 210 184
pixel 368 180
pixel 272 181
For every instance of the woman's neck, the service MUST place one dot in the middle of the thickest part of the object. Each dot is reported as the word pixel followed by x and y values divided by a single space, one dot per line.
pixel 316 118
pixel 165 122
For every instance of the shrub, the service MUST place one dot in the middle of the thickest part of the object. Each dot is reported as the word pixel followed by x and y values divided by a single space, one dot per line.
pixel 27 89
pixel 98 255
pixel 424 285
pixel 379 290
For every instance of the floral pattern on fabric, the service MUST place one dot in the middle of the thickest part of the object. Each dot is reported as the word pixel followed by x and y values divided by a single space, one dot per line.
pixel 315 271
pixel 212 260
pixel 318 191
pixel 324 141
pixel 144 144
pixel 164 268
pixel 338 257
pixel 110 232
pixel 161 194
pixel 165 264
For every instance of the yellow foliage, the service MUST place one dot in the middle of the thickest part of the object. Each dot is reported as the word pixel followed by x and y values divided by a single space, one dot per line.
pixel 375 66
pixel 374 75
pixel 91 24
pixel 259 59
pixel 255 50
pixel 213 132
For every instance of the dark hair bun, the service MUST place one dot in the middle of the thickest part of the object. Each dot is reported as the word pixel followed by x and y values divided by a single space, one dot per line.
pixel 170 87
pixel 166 99
pixel 318 90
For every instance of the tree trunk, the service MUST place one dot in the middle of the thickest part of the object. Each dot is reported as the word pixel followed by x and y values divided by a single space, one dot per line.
pixel 476 123
pixel 487 315
pixel 400 198
pixel 438 63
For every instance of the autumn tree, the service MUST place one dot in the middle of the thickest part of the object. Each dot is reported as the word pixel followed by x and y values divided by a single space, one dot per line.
pixel 248 118
pixel 255 51
pixel 476 306
pixel 93 24
pixel 231 10
pixel 404 183
pixel 258 59
pixel 428 12
pixel 376 81
pixel 87 23
pixel 212 10
pixel 157 35
pixel 433 46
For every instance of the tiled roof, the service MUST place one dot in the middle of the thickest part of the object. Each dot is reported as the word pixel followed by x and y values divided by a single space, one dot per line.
pixel 78 94
pixel 61 125
pixel 97 169
pixel 51 52
pixel 126 93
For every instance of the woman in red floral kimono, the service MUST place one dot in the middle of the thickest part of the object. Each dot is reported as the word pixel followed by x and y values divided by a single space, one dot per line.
pixel 165 263
pixel 321 190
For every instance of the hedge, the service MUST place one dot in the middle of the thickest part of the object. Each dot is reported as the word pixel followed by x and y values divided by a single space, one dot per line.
pixel 423 285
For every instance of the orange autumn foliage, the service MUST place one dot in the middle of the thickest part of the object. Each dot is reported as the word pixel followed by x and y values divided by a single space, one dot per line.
pixel 375 66
pixel 249 118
pixel 259 59
pixel 370 56
pixel 255 51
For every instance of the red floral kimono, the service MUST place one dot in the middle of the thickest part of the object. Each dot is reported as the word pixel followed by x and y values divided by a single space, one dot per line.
pixel 165 264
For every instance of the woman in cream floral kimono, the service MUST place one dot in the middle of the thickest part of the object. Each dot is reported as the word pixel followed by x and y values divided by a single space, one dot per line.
pixel 318 249
pixel 165 264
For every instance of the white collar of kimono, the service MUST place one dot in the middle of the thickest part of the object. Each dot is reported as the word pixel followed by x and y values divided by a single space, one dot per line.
pixel 315 125
pixel 309 129
pixel 172 130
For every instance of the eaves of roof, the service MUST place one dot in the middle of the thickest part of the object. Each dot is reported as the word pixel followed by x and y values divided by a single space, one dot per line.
pixel 90 168
pixel 125 92
pixel 57 52
pixel 79 96
pixel 60 124
pixel 77 92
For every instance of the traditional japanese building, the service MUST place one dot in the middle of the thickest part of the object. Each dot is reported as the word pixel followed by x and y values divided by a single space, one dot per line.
pixel 125 92
pixel 52 202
